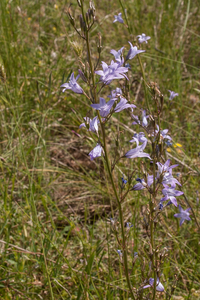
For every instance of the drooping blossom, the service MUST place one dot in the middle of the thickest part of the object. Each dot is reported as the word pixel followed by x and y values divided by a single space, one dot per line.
pixel 72 85
pixel 103 107
pixel 159 286
pixel 93 124
pixel 172 95
pixel 133 51
pixel 138 152
pixel 183 215
pixel 123 105
pixel 142 184
pixel 114 71
pixel 96 152
pixel 143 38
pixel 118 18
pixel 171 194
pixel 117 54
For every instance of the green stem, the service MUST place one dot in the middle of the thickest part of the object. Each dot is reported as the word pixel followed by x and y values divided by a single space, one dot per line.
pixel 107 161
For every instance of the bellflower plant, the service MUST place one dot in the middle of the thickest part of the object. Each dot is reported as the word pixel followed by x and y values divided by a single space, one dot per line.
pixel 155 169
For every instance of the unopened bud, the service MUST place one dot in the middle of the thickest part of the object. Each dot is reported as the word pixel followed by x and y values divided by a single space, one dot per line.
pixel 82 75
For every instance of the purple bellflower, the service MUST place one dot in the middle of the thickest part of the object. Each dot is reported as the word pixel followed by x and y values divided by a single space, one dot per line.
pixel 143 38
pixel 164 168
pixel 159 286
pixel 117 54
pixel 114 71
pixel 123 105
pixel 144 119
pixel 163 133
pixel 133 52
pixel 118 18
pixel 138 152
pixel 138 138
pixel 142 184
pixel 172 95
pixel 96 152
pixel 169 179
pixel 72 85
pixel 183 215
pixel 103 107
pixel 115 93
pixel 171 194
pixel 93 124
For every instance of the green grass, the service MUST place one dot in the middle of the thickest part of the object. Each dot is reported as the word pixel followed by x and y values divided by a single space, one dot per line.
pixel 55 238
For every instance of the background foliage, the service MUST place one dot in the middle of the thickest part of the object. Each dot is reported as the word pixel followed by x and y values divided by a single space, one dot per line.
pixel 55 203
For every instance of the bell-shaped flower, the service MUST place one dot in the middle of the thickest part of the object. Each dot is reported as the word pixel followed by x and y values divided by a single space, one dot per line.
pixel 93 124
pixel 117 54
pixel 96 152
pixel 183 215
pixel 164 168
pixel 172 95
pixel 171 194
pixel 138 138
pixel 144 121
pixel 114 71
pixel 169 179
pixel 72 85
pixel 133 52
pixel 163 133
pixel 123 105
pixel 159 286
pixel 103 107
pixel 138 152
pixel 118 18
pixel 143 38
pixel 115 93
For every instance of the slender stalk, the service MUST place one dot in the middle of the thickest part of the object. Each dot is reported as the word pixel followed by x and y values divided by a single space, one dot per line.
pixel 108 162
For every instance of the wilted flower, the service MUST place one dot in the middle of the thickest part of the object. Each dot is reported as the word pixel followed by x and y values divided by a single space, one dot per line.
pixel 133 52
pixel 118 18
pixel 138 152
pixel 72 85
pixel 143 38
pixel 183 215
pixel 172 95
pixel 96 152
pixel 159 286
